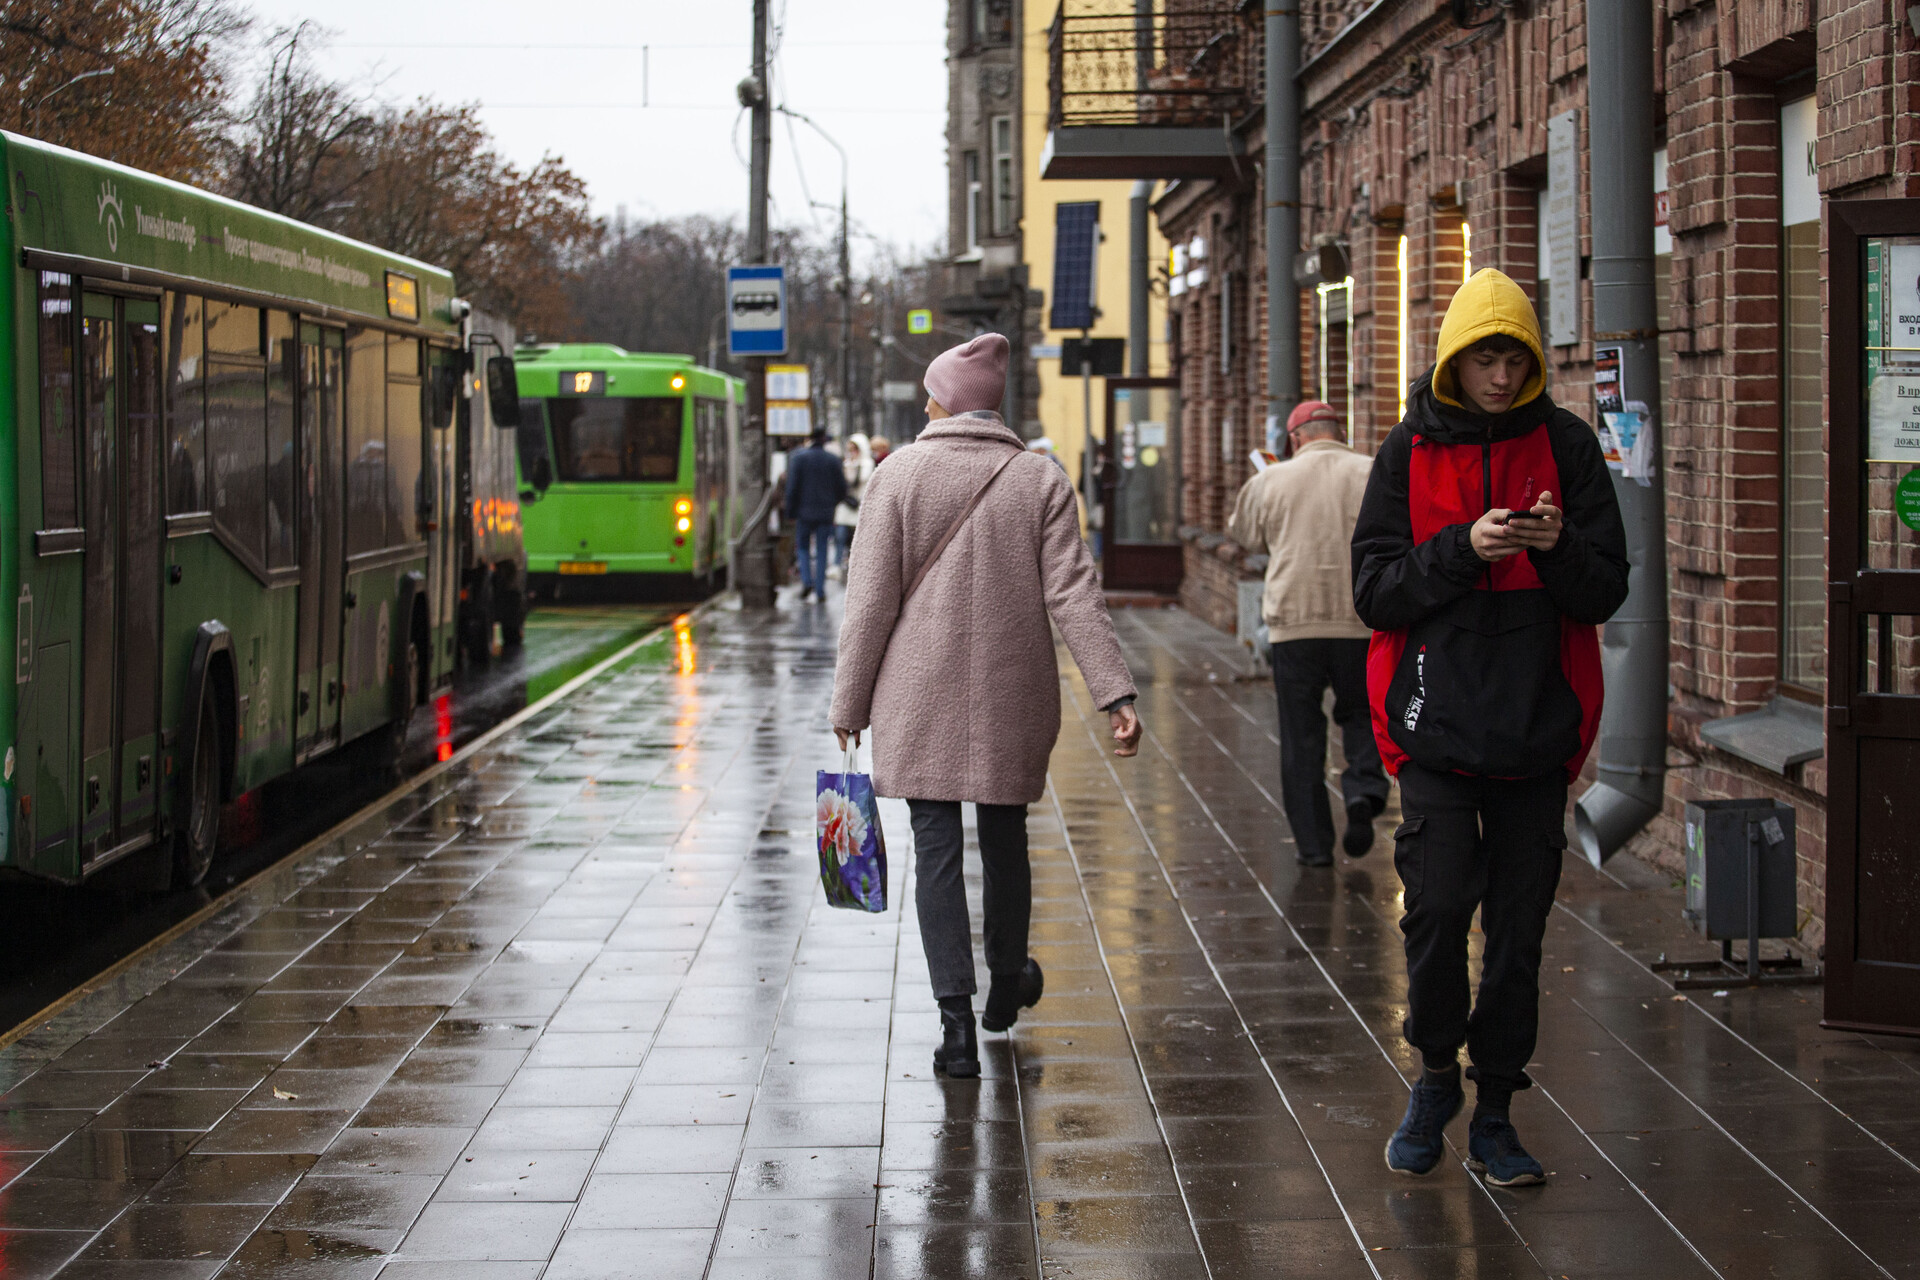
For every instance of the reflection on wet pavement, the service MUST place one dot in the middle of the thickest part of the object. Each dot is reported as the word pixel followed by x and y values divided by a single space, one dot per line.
pixel 575 1008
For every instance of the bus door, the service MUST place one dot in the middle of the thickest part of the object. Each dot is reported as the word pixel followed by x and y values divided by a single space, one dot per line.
pixel 322 548
pixel 123 547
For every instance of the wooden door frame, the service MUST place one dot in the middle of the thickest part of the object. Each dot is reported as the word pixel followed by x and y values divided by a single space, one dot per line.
pixel 1856 996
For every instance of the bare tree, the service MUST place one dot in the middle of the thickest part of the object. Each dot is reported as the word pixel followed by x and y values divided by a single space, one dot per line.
pixel 138 81
pixel 296 150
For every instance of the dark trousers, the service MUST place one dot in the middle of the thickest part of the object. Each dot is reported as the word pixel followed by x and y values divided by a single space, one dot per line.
pixel 1302 670
pixel 811 539
pixel 1493 844
pixel 940 891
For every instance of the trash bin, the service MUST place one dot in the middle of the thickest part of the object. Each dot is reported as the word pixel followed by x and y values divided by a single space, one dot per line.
pixel 1740 869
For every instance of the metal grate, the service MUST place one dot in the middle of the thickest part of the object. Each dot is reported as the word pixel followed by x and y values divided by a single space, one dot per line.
pixel 1186 63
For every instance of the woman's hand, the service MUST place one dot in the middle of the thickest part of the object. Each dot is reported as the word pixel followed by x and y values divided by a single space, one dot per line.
pixel 844 734
pixel 1126 730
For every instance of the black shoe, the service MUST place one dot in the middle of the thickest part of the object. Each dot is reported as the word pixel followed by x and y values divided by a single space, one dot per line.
pixel 1010 993
pixel 959 1053
pixel 1314 859
pixel 1359 837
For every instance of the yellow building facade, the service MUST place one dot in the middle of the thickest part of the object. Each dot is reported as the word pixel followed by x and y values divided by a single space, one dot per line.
pixel 1060 405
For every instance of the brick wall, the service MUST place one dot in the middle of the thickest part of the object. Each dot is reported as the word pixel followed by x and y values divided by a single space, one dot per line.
pixel 1411 126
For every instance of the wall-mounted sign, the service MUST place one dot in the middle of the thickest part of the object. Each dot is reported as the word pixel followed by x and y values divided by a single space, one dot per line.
pixel 1893 349
pixel 1562 232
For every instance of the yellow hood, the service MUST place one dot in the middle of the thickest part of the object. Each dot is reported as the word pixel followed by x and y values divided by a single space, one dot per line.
pixel 1489 303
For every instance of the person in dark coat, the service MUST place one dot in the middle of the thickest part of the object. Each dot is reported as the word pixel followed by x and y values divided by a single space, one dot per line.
pixel 816 484
pixel 1488 550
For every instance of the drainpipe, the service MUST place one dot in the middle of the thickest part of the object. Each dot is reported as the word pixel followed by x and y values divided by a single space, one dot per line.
pixel 1138 340
pixel 1283 211
pixel 1633 647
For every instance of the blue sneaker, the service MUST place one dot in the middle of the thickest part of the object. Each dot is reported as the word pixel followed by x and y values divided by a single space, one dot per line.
pixel 1494 1152
pixel 1416 1146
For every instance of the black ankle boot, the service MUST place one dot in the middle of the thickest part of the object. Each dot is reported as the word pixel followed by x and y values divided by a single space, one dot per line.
pixel 959 1053
pixel 1010 993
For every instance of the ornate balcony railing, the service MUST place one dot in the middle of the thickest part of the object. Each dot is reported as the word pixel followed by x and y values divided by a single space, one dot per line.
pixel 1181 63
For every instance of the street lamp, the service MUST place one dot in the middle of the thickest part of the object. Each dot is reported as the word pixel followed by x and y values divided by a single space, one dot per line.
pixel 845 286
pixel 84 75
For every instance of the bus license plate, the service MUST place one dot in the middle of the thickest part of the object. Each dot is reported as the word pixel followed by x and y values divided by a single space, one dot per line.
pixel 583 566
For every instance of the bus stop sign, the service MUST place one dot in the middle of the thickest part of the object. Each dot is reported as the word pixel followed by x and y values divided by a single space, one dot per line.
pixel 756 311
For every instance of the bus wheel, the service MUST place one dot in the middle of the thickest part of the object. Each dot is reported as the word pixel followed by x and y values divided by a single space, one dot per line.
pixel 479 620
pixel 194 842
pixel 511 608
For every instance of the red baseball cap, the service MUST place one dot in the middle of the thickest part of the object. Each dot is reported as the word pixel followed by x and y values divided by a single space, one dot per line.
pixel 1311 411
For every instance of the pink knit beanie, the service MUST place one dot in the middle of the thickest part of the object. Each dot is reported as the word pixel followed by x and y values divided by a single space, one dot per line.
pixel 970 377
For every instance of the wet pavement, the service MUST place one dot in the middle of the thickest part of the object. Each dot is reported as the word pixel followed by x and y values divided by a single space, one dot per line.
pixel 574 1007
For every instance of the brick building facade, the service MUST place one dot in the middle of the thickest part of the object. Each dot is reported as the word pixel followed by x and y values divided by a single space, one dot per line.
pixel 1425 153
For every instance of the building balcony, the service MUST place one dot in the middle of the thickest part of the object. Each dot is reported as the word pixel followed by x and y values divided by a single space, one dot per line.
pixel 1155 94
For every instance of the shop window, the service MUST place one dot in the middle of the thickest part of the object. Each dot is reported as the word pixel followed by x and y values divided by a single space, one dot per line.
pixel 1803 446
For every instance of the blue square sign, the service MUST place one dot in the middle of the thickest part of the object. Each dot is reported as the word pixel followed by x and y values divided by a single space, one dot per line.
pixel 756 311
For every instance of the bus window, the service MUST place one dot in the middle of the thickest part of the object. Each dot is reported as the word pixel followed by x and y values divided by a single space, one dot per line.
pixel 59 499
pixel 530 440
pixel 237 427
pixel 404 441
pixel 366 440
pixel 625 439
pixel 283 369
pixel 182 318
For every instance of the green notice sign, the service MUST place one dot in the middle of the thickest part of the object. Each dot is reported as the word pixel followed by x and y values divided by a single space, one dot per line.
pixel 1906 499
pixel 919 321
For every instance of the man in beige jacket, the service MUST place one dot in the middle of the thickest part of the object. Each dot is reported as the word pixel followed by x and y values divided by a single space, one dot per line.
pixel 1301 512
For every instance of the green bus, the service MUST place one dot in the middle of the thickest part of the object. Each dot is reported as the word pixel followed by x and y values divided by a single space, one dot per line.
pixel 227 486
pixel 626 470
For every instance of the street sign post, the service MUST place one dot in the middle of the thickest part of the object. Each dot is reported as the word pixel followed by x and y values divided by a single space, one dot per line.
pixel 757 311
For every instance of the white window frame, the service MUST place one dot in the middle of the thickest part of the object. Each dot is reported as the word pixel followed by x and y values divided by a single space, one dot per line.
pixel 1000 138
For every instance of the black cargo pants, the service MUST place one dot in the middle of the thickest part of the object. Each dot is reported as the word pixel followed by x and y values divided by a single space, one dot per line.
pixel 1486 843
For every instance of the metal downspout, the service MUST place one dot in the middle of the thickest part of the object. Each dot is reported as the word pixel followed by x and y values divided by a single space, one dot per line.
pixel 1283 210
pixel 1632 751
pixel 1139 342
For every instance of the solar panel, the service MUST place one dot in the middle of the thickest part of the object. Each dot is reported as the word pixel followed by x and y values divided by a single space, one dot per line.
pixel 1076 242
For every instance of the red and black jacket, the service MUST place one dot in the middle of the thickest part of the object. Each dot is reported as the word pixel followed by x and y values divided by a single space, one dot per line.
pixel 1476 668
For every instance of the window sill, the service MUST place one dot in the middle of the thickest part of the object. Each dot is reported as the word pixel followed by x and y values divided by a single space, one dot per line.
pixel 1783 734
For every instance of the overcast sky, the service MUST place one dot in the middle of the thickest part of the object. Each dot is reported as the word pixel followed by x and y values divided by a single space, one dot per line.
pixel 566 77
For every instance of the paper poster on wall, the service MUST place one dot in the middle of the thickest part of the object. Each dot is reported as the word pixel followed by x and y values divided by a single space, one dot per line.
pixel 1893 349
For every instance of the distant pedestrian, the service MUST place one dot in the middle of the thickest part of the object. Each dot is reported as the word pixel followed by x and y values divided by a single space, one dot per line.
pixel 879 447
pixel 1301 513
pixel 1488 551
pixel 969 555
pixel 859 468
pixel 815 486
pixel 1043 446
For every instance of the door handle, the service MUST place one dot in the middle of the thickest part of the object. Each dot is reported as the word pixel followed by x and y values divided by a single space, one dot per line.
pixel 352 599
pixel 174 574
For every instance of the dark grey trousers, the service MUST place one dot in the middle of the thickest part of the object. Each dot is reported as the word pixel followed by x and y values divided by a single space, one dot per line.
pixel 940 891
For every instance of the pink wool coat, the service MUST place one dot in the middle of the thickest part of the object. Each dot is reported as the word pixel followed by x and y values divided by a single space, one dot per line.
pixel 961 688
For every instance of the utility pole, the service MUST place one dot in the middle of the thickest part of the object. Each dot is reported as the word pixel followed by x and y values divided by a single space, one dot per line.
pixel 846 317
pixel 753 569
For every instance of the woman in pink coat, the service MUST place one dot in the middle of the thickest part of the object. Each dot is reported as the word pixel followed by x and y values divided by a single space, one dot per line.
pixel 969 548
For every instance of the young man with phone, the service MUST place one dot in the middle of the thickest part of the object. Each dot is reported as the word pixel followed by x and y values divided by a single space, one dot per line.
pixel 1488 550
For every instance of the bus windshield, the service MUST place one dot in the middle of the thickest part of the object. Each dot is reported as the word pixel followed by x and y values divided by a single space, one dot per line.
pixel 616 439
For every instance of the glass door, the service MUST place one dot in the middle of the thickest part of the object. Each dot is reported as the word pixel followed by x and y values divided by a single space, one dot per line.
pixel 1873 597
pixel 1140 486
